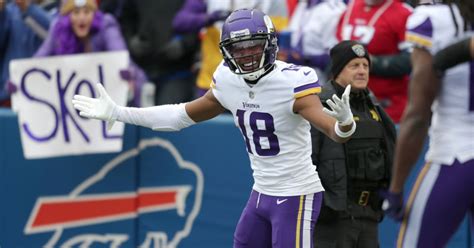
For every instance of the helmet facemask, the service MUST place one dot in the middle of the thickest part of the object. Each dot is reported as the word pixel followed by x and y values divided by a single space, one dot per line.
pixel 247 56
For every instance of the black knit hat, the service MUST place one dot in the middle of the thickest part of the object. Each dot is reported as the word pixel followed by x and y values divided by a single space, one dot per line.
pixel 343 53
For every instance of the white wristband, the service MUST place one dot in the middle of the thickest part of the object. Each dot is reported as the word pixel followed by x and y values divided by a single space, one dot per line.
pixel 344 134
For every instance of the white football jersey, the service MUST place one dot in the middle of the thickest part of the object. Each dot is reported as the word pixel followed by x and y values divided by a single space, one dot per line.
pixel 452 126
pixel 278 140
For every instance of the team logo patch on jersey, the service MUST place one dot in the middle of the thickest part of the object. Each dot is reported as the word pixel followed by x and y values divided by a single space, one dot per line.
pixel 251 94
pixel 358 50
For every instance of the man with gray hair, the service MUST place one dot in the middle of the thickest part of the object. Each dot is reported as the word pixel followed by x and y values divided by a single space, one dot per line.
pixel 353 173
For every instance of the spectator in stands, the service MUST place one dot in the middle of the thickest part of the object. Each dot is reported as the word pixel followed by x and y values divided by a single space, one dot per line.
pixel 354 172
pixel 444 108
pixel 312 31
pixel 380 25
pixel 166 57
pixel 82 28
pixel 23 26
pixel 208 16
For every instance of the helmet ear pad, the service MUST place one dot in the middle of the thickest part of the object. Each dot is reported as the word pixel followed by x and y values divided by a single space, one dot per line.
pixel 246 25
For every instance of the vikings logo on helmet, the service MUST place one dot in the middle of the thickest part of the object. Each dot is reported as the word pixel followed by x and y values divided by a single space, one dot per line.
pixel 177 199
pixel 248 43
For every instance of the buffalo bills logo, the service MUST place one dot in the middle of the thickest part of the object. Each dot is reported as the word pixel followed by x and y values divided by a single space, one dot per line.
pixel 178 197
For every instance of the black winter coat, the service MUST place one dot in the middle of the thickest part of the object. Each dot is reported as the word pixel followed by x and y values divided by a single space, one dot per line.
pixel 332 161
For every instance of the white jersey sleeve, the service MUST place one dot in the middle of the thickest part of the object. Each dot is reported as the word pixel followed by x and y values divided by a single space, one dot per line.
pixel 306 82
pixel 432 27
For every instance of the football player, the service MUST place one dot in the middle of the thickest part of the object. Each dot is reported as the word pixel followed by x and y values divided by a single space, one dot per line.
pixel 273 104
pixel 443 192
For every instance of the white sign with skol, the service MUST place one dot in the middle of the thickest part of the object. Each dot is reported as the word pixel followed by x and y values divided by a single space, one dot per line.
pixel 49 124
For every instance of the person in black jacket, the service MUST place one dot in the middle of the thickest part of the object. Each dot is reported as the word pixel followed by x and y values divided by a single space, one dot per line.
pixel 354 172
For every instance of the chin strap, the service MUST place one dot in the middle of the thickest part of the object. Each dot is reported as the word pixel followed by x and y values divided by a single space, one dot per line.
pixel 267 70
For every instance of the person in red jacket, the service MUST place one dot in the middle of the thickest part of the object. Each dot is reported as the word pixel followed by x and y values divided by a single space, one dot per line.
pixel 380 25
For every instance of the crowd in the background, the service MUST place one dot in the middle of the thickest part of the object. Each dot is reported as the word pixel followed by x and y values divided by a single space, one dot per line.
pixel 174 45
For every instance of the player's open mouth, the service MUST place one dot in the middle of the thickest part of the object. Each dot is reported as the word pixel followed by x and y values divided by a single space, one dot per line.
pixel 249 66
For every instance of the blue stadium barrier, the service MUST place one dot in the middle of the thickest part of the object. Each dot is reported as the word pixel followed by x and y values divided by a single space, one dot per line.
pixel 185 189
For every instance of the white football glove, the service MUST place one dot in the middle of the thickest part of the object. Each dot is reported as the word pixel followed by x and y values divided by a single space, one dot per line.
pixel 341 109
pixel 101 108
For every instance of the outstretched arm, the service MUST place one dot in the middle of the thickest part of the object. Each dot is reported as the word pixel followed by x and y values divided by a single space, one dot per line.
pixel 204 108
pixel 424 87
pixel 338 123
pixel 170 117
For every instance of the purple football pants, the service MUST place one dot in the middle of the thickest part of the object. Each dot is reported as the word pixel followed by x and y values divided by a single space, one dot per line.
pixel 271 221
pixel 439 201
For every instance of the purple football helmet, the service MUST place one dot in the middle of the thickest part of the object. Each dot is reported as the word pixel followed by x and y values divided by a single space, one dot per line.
pixel 249 43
